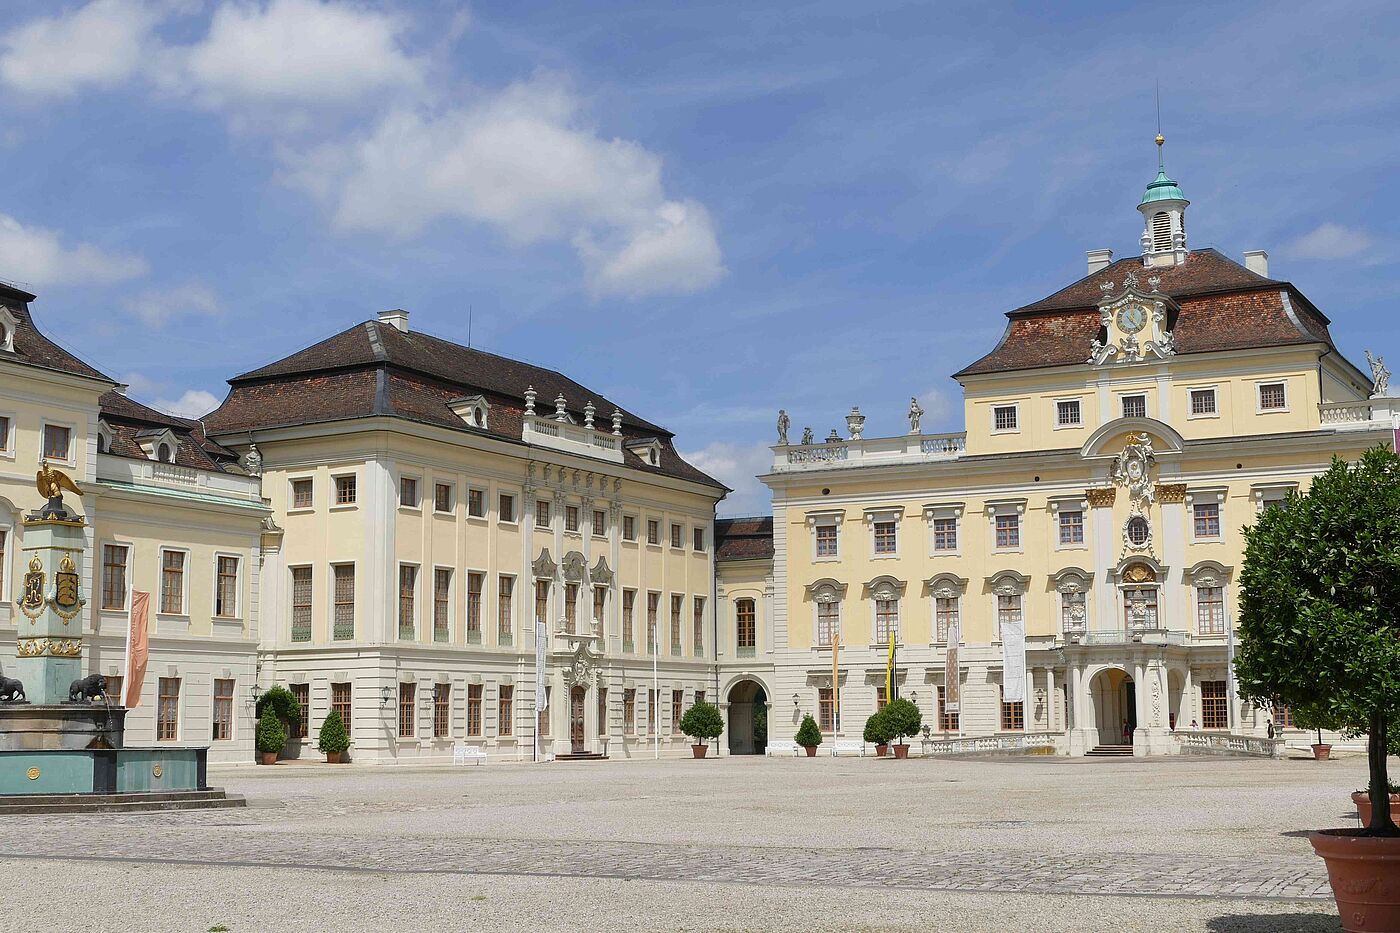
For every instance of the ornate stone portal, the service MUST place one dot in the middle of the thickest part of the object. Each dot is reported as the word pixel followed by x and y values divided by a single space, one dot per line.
pixel 1132 469
pixel 583 669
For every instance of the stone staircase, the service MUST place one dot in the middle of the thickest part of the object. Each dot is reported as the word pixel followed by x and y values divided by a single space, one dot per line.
pixel 213 798
pixel 1110 751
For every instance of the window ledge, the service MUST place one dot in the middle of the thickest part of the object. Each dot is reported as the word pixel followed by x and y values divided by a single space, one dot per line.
pixel 344 506
pixel 301 510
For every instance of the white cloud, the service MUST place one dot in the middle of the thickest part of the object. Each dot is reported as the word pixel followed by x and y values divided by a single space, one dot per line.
pixel 158 306
pixel 1330 241
pixel 939 410
pixel 103 43
pixel 193 404
pixel 522 162
pixel 737 466
pixel 37 256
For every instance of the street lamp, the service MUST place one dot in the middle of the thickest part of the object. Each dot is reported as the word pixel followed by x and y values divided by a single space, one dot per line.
pixel 385 695
pixel 796 702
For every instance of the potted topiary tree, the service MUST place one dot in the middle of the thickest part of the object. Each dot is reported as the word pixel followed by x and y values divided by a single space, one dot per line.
pixel 333 739
pixel 1319 611
pixel 877 732
pixel 271 736
pixel 902 720
pixel 283 705
pixel 702 722
pixel 1322 751
pixel 808 735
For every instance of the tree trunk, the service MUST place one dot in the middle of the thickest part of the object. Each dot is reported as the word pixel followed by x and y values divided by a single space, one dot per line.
pixel 1382 824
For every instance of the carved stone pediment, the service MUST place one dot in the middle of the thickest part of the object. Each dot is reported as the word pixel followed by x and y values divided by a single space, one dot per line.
pixel 583 669
pixel 575 567
pixel 601 572
pixel 544 565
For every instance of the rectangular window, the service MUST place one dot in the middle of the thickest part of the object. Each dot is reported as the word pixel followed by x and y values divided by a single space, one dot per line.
pixel 345 490
pixel 541 513
pixel 1008 531
pixel 301 604
pixel 1073 611
pixel 746 625
pixel 302 694
pixel 885 537
pixel 408 710
pixel 113 573
pixel 653 531
pixel 600 599
pixel 1203 402
pixel 442 603
pixel 600 523
pixel 881 700
pixel 507 508
pixel 172 582
pixel 408 585
pixel 1207 519
pixel 698 536
pixel 571 518
pixel 408 492
pixel 945 534
pixel 4 543
pixel 301 493
pixel 442 497
pixel 1210 610
pixel 629 605
pixel 1067 412
pixel 947 722
pixel 1004 418
pixel 677 701
pixel 677 604
pixel 886 620
pixel 828 622
pixel 1134 406
pixel 223 710
pixel 476 503
pixel 629 712
pixel 570 607
pixel 1272 397
pixel 442 711
pixel 168 710
pixel 542 601
pixel 826 709
pixel 1215 707
pixel 57 441
pixel 340 703
pixel 1008 609
pixel 945 609
pixel 603 711
pixel 826 540
pixel 344 623
pixel 653 714
pixel 4 433
pixel 699 615
pixel 653 608
pixel 474 709
pixel 1283 716
pixel 1013 715
pixel 505 626
pixel 1071 527
pixel 505 710
pixel 629 528
pixel 542 718
pixel 1140 608
pixel 226 588
pixel 476 582
pixel 676 532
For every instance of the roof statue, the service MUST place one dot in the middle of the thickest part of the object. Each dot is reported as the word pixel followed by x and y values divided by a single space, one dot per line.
pixel 1380 376
pixel 784 422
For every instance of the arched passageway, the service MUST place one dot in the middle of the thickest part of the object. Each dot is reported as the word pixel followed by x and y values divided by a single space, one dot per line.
pixel 1114 706
pixel 748 719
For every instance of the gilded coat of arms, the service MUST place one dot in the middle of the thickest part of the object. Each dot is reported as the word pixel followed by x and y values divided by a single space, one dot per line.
pixel 66 600
pixel 31 601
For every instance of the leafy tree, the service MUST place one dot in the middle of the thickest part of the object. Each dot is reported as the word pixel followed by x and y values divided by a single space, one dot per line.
pixel 333 739
pixel 1320 610
pixel 702 721
pixel 282 703
pixel 808 735
pixel 902 718
pixel 877 729
pixel 760 725
pixel 272 734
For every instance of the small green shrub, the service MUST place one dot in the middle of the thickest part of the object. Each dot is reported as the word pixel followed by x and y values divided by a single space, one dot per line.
pixel 877 729
pixel 272 735
pixel 281 701
pixel 808 735
pixel 902 718
pixel 760 726
pixel 333 739
pixel 702 721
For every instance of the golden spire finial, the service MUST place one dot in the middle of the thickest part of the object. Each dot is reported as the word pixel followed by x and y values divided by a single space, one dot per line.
pixel 1161 139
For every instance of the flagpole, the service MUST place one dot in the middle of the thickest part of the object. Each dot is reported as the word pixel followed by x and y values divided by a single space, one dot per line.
pixel 835 688
pixel 655 694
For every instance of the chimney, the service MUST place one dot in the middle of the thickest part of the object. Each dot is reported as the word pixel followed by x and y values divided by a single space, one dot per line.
pixel 397 318
pixel 1257 261
pixel 1099 259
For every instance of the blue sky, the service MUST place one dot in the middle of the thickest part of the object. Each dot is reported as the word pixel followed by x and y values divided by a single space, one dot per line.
pixel 708 211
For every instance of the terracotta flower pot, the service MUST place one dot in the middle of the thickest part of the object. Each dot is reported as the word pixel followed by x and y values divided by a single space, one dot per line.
pixel 811 751
pixel 699 750
pixel 268 758
pixel 901 751
pixel 1363 806
pixel 881 750
pixel 333 758
pixel 1322 752
pixel 1365 876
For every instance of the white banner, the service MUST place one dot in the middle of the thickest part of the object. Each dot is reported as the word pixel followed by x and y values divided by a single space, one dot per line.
pixel 1013 662
pixel 952 677
pixel 541 637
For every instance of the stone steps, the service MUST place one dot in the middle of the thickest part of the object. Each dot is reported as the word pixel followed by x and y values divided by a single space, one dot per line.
pixel 1110 751
pixel 118 803
pixel 582 756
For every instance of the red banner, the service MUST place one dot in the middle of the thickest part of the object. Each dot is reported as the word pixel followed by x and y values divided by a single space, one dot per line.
pixel 138 648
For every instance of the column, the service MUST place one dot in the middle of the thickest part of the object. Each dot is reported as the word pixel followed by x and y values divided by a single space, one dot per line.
pixel 1140 688
pixel 1187 711
pixel 1050 699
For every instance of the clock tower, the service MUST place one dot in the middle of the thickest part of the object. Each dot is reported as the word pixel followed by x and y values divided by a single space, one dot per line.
pixel 1163 208
pixel 1135 324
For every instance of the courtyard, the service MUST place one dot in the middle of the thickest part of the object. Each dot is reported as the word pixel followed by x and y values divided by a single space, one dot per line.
pixel 730 844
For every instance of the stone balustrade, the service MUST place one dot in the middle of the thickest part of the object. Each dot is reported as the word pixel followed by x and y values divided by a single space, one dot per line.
pixel 874 451
pixel 1222 743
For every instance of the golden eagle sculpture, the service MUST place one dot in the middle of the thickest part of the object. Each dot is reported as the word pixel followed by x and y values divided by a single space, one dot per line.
pixel 51 484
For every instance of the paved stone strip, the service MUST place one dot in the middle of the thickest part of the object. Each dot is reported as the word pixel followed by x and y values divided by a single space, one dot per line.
pixel 1281 877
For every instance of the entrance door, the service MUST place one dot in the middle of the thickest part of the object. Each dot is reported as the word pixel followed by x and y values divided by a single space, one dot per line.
pixel 1130 708
pixel 576 698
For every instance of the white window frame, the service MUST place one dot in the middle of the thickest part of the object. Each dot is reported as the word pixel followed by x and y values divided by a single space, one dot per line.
pixel 647 531
pixel 292 507
pixel 338 506
pixel 329 584
pixel 417 480
pixel 1259 408
pixel 514 508
pixel 1123 404
pixel 451 497
pixel 1265 494
pixel 1208 496
pixel 184 612
pixel 485 504
pixel 101 570
pixel 7 443
pixel 826 587
pixel 1016 410
pixel 72 459
pixel 1069 425
pixel 237 591
pixel 880 515
pixel 885 588
pixel 417 600
pixel 452 604
pixel 622 533
pixel 7 565
pixel 997 508
pixel 1214 391
pixel 1068 504
pixel 935 511
pixel 825 518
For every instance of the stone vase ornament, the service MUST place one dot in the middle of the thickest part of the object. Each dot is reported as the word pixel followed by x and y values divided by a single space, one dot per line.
pixel 1365 876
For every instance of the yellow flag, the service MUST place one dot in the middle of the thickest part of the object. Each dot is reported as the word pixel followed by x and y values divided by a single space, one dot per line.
pixel 891 687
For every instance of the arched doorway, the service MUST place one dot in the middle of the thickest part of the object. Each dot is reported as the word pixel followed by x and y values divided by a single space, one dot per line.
pixel 1114 703
pixel 748 719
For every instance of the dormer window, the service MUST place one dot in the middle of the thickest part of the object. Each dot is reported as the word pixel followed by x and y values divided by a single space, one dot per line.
pixel 648 449
pixel 8 322
pixel 160 445
pixel 165 454
pixel 104 438
pixel 475 410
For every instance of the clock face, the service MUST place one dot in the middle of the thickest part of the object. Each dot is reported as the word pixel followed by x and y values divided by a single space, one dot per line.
pixel 1132 318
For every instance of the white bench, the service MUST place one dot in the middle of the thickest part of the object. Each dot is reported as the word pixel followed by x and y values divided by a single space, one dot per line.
pixel 461 754
pixel 848 747
pixel 784 748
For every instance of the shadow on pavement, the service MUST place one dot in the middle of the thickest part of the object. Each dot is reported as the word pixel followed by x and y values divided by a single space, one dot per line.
pixel 1274 923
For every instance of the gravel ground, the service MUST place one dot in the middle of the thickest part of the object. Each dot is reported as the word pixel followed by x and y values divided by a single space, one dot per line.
pixel 728 844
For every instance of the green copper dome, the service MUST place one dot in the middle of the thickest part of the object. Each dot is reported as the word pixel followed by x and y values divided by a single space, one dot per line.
pixel 1162 189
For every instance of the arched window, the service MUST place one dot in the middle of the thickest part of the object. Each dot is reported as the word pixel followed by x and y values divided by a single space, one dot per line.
pixel 164 454
pixel 746 625
pixel 104 443
pixel 1161 231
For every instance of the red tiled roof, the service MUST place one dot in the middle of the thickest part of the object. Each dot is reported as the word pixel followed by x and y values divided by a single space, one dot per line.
pixel 131 421
pixel 744 538
pixel 35 349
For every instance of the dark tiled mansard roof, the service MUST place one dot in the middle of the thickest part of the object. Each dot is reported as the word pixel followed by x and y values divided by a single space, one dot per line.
pixel 744 538
pixel 374 369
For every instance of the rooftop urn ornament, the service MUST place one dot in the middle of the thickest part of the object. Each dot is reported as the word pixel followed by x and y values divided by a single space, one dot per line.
pixel 588 411
pixel 834 437
pixel 617 422
pixel 530 400
pixel 784 422
pixel 559 414
pixel 807 436
pixel 51 483
pixel 855 422
pixel 916 414
pixel 1380 376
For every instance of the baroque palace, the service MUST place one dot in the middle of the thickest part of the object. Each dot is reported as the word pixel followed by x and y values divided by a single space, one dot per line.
pixel 401 528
